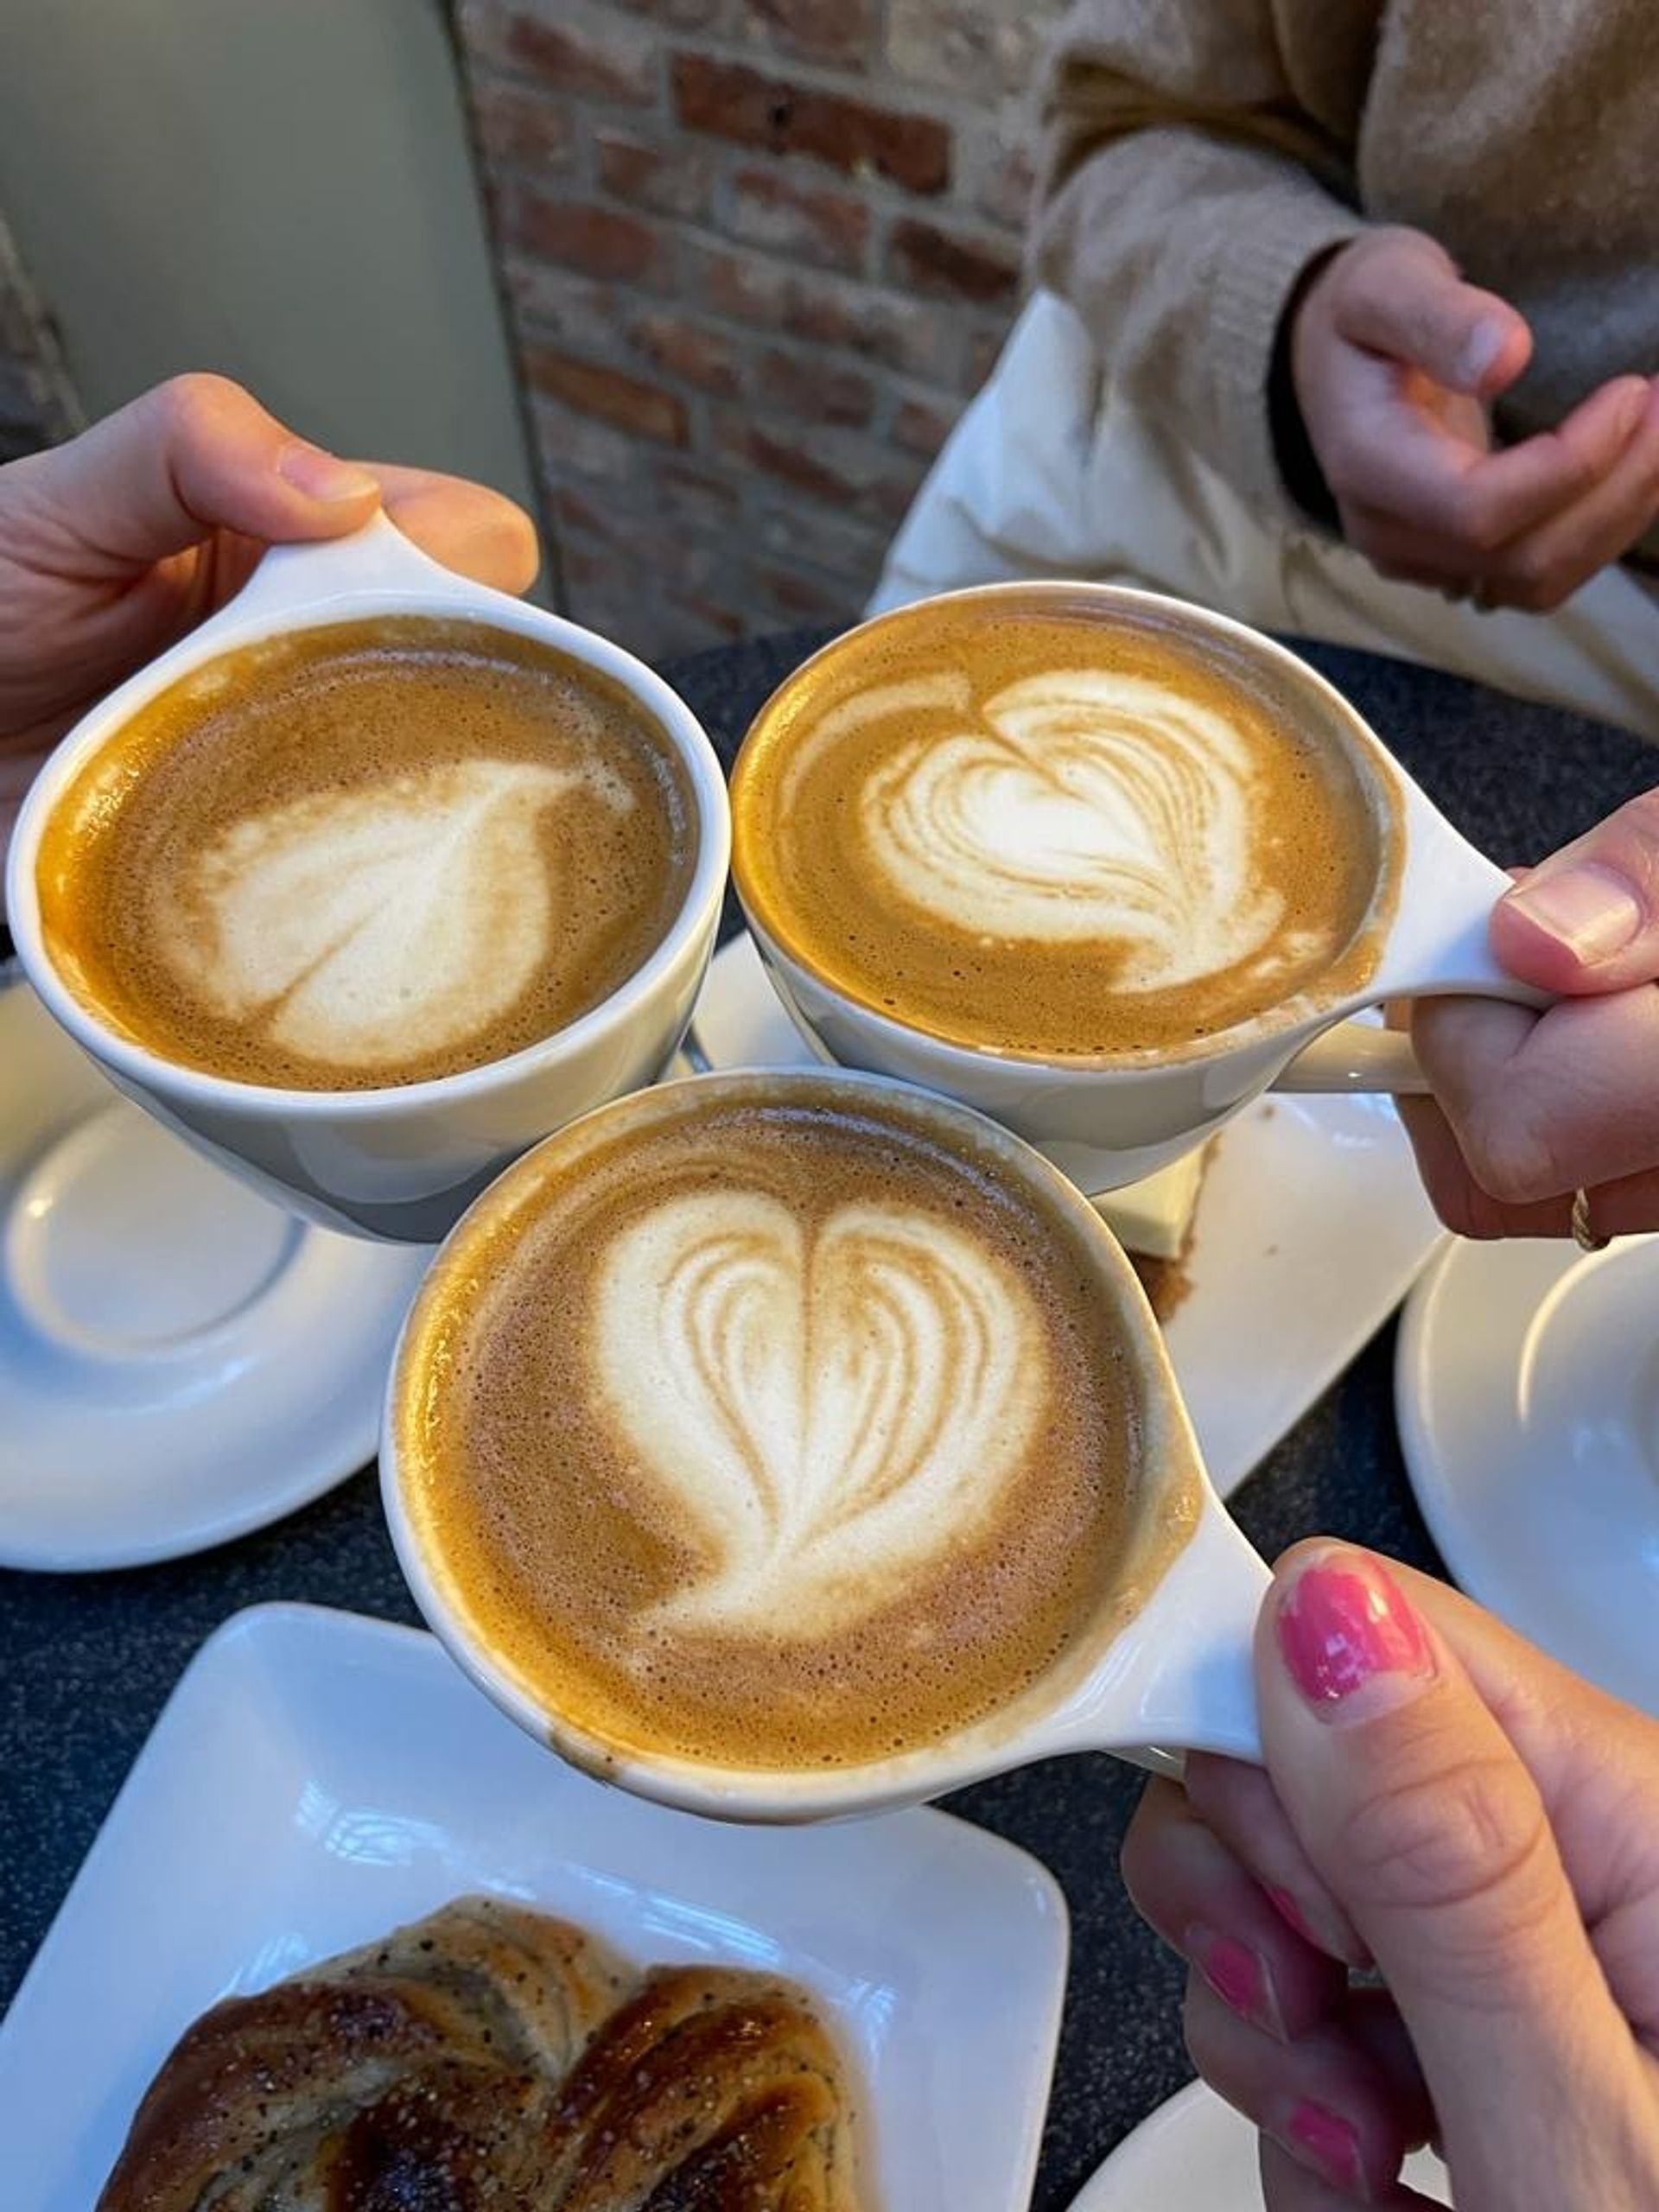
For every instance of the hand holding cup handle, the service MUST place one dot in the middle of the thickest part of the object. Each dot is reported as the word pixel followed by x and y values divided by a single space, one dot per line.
pixel 1442 1803
pixel 1441 947
pixel 400 1162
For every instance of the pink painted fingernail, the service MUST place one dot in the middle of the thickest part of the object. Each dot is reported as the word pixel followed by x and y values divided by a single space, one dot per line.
pixel 1329 2144
pixel 1346 1627
pixel 1238 1975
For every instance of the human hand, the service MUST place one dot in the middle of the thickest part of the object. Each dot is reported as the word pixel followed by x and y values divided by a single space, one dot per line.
pixel 1443 1801
pixel 1396 361
pixel 1528 1107
pixel 114 545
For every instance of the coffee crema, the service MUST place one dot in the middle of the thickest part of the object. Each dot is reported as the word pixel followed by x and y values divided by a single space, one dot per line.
pixel 785 1431
pixel 1022 822
pixel 368 853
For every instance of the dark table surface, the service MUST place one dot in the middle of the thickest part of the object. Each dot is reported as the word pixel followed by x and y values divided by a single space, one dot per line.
pixel 89 1660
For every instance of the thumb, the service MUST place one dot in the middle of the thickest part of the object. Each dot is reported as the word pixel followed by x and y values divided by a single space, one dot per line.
pixel 191 456
pixel 1419 1814
pixel 1405 299
pixel 1588 918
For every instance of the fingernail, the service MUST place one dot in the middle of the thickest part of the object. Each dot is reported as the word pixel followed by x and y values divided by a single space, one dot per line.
pixel 1633 408
pixel 1329 2144
pixel 1292 1914
pixel 1482 348
pixel 323 475
pixel 1587 908
pixel 1343 1628
pixel 1238 1975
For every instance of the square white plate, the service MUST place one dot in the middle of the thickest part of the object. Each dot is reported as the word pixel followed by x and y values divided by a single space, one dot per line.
pixel 317 1778
pixel 1312 1226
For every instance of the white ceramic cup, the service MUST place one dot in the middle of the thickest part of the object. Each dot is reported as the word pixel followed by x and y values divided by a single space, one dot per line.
pixel 1111 1120
pixel 1176 1676
pixel 402 1163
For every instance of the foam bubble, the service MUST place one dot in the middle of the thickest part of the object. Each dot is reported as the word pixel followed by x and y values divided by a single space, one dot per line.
pixel 833 1405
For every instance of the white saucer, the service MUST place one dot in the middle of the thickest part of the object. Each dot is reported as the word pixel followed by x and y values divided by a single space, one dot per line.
pixel 1311 1227
pixel 1197 2154
pixel 316 1779
pixel 1526 1387
pixel 180 1361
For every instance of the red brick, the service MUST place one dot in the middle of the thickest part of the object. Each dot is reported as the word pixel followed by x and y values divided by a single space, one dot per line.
pixel 731 101
pixel 681 14
pixel 912 336
pixel 800 598
pixel 686 497
pixel 845 468
pixel 835 545
pixel 613 604
pixel 675 177
pixel 811 222
pixel 570 443
pixel 1007 187
pixel 584 314
pixel 922 425
pixel 952 264
pixel 964 46
pixel 625 534
pixel 580 235
pixel 646 410
pixel 518 123
pixel 982 351
pixel 566 45
pixel 680 346
pixel 816 390
pixel 698 623
pixel 839 33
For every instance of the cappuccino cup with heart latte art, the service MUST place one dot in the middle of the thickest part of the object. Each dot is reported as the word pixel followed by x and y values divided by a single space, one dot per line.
pixel 1092 860
pixel 780 1444
pixel 375 880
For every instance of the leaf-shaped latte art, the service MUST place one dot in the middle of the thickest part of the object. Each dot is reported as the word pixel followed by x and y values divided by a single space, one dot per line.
pixel 1084 804
pixel 362 926
pixel 828 1408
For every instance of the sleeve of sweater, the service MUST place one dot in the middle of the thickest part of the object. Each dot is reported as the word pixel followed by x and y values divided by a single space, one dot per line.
pixel 1185 193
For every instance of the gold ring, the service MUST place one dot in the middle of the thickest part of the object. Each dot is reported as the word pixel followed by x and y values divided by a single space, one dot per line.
pixel 1583 1235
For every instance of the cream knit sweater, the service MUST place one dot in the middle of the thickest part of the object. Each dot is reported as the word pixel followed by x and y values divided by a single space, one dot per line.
pixel 1203 152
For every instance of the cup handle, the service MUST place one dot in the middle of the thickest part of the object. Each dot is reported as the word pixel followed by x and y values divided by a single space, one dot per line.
pixel 1181 1677
pixel 377 557
pixel 1355 1056
pixel 1439 944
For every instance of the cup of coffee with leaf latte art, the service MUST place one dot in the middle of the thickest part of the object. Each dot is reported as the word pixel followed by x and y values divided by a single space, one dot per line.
pixel 784 1444
pixel 374 880
pixel 1097 862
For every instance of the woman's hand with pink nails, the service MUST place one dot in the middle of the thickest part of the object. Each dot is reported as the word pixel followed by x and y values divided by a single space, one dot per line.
pixel 1445 1803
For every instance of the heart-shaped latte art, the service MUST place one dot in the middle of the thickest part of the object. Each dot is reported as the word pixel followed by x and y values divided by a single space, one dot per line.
pixel 826 1408
pixel 365 925
pixel 1083 805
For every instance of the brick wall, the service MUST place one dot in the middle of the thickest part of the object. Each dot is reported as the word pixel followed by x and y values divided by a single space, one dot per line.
pixel 758 253
pixel 37 406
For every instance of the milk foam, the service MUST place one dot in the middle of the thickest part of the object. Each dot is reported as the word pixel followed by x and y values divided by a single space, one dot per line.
pixel 366 926
pixel 832 1406
pixel 1086 803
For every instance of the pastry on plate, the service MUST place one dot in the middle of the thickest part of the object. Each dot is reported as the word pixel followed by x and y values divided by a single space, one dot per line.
pixel 491 2057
